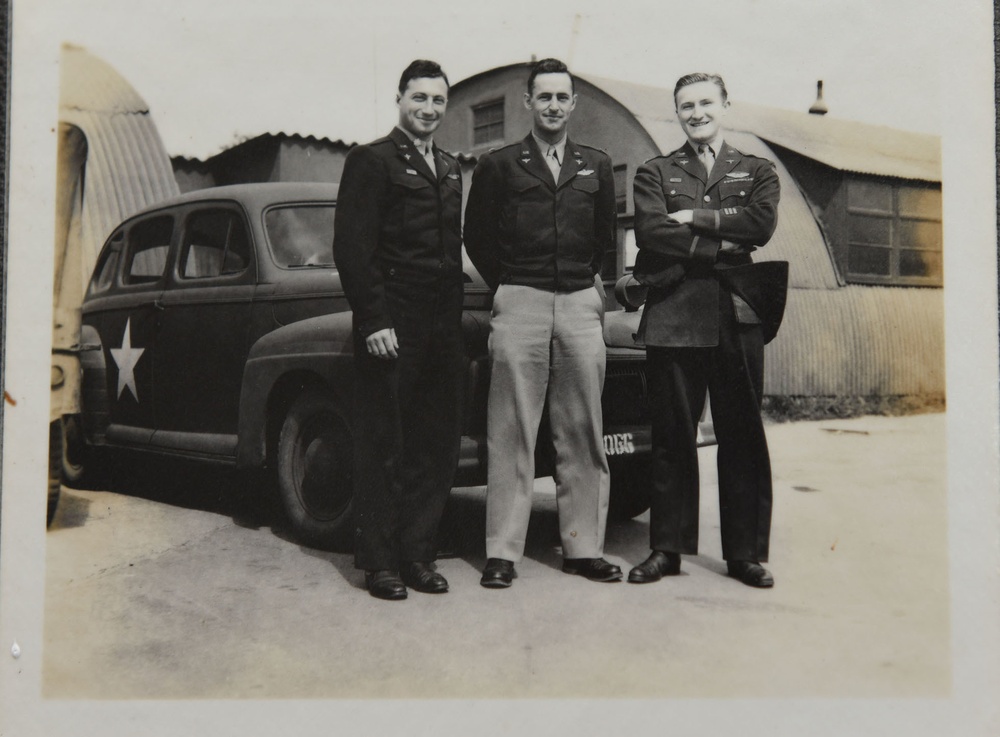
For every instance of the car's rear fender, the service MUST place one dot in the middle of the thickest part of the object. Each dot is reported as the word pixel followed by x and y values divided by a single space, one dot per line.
pixel 315 351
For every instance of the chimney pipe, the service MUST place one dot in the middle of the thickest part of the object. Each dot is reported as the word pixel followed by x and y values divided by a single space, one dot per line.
pixel 819 107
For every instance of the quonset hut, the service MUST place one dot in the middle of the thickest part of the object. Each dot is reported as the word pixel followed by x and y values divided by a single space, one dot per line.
pixel 859 223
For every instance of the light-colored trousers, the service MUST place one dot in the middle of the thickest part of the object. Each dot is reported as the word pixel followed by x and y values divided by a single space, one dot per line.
pixel 547 349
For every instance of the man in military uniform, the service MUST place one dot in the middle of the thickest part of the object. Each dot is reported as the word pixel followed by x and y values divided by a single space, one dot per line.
pixel 540 217
pixel 700 210
pixel 397 245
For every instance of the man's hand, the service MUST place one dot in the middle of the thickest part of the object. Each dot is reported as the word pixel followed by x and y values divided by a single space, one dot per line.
pixel 684 217
pixel 730 247
pixel 383 343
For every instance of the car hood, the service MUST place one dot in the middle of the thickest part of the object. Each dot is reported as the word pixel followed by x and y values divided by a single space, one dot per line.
pixel 620 328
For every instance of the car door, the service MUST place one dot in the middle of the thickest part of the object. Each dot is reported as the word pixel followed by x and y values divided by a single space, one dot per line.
pixel 202 339
pixel 124 309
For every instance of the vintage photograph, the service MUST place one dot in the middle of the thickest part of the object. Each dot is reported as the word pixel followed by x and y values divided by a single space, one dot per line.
pixel 468 368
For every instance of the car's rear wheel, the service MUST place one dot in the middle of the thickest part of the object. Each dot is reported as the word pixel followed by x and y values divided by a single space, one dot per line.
pixel 631 487
pixel 315 466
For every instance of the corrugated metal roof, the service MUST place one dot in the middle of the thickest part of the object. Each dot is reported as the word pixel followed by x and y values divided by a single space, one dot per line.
pixel 859 341
pixel 87 83
pixel 127 166
pixel 842 144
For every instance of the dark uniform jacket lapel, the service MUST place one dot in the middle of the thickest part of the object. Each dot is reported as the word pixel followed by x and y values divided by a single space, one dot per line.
pixel 727 160
pixel 413 158
pixel 573 163
pixel 688 160
pixel 532 160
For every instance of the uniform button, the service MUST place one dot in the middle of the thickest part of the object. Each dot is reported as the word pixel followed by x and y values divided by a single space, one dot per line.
pixel 673 191
pixel 392 272
pixel 441 265
pixel 707 198
pixel 742 193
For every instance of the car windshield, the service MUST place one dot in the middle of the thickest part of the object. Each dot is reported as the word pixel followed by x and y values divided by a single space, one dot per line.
pixel 300 235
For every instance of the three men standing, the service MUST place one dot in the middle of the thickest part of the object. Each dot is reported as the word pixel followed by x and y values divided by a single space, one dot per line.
pixel 700 211
pixel 540 217
pixel 398 247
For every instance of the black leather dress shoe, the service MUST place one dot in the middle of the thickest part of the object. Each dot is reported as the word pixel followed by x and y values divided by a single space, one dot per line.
pixel 655 567
pixel 596 569
pixel 423 578
pixel 385 585
pixel 498 574
pixel 751 573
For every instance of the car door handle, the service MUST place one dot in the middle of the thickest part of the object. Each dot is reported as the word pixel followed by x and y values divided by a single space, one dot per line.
pixel 155 304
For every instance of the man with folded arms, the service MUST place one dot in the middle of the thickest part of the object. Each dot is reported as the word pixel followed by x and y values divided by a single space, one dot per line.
pixel 540 217
pixel 698 210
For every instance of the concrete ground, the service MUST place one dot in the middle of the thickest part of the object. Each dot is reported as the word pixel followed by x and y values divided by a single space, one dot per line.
pixel 182 590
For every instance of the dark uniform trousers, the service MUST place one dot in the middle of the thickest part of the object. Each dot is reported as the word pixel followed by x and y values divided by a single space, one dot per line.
pixel 397 246
pixel 698 338
pixel 408 426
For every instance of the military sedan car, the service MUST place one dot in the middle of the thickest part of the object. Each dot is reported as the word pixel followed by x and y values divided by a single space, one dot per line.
pixel 215 327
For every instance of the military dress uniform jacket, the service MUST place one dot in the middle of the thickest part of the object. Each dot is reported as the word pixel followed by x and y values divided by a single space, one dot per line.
pixel 524 228
pixel 737 202
pixel 395 221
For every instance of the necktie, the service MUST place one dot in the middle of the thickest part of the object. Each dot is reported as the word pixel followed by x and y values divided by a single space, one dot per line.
pixel 428 154
pixel 707 157
pixel 552 159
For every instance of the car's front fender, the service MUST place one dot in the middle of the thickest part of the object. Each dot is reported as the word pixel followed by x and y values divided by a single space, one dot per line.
pixel 318 350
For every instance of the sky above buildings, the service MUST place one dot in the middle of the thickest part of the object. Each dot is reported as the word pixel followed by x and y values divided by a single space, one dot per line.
pixel 214 73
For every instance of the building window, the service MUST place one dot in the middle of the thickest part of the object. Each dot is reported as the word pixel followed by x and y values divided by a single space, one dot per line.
pixel 893 233
pixel 621 188
pixel 487 123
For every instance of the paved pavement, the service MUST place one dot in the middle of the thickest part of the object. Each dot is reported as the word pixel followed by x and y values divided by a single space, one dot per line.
pixel 182 590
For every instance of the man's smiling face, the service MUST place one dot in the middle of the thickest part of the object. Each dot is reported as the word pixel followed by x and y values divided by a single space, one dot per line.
pixel 701 110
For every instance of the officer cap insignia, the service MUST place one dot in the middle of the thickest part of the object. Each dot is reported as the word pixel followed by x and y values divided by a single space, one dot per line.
pixel 411 171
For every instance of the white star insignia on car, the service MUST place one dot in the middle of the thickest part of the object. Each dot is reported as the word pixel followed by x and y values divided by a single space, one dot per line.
pixel 127 357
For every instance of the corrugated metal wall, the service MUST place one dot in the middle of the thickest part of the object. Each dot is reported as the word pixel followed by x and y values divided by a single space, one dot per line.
pixel 859 341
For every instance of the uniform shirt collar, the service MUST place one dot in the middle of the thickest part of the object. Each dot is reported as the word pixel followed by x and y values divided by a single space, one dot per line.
pixel 543 146
pixel 716 145
pixel 419 144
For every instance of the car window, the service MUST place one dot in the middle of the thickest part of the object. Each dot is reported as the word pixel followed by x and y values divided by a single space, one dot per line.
pixel 104 273
pixel 300 235
pixel 215 244
pixel 149 244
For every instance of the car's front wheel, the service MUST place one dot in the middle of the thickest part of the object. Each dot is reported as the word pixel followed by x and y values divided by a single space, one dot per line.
pixel 631 487
pixel 315 466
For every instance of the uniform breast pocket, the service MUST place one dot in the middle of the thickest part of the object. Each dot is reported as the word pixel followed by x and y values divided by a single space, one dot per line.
pixel 415 193
pixel 524 198
pixel 734 192
pixel 680 195
pixel 590 186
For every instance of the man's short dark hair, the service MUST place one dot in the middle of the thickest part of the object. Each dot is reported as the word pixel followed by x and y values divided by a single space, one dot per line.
pixel 421 68
pixel 549 66
pixel 701 77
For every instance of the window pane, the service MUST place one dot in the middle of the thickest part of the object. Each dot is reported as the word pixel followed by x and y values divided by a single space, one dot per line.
pixel 205 244
pixel 149 244
pixel 920 263
pixel 869 195
pixel 919 234
pixel 924 202
pixel 301 235
pixel 104 274
pixel 864 260
pixel 237 247
pixel 873 230
pixel 487 122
